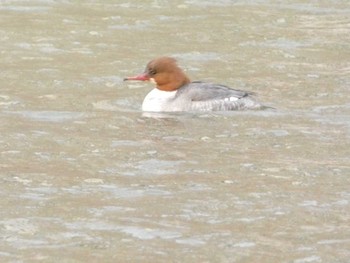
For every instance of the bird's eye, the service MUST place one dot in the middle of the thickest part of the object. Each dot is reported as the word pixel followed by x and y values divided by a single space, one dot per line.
pixel 152 72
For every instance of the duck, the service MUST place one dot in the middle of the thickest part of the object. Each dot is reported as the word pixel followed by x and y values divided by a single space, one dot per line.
pixel 175 92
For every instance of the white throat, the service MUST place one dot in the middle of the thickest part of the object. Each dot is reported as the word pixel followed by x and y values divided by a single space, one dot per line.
pixel 158 100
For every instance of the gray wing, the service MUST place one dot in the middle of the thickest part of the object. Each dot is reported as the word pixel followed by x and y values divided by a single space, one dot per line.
pixel 216 97
pixel 201 91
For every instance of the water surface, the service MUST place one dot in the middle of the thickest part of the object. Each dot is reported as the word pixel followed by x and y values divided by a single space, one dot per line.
pixel 87 177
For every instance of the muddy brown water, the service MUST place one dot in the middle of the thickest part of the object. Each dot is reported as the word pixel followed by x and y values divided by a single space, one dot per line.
pixel 87 177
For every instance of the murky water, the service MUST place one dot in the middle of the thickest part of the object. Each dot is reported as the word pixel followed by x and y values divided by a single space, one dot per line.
pixel 86 177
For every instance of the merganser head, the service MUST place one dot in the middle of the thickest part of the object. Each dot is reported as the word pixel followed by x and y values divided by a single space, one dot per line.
pixel 165 72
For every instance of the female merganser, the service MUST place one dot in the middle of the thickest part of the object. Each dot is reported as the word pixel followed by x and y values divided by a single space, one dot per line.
pixel 175 91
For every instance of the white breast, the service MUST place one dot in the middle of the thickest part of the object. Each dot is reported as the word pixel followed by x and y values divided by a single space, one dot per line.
pixel 158 100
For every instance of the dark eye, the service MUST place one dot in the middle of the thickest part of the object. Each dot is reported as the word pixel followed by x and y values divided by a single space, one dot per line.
pixel 152 72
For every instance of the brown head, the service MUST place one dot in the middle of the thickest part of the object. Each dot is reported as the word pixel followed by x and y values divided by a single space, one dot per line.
pixel 165 72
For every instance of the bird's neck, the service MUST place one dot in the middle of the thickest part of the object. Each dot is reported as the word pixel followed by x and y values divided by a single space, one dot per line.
pixel 173 81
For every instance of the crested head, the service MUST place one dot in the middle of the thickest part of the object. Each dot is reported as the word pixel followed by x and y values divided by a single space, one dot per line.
pixel 166 73
pixel 161 64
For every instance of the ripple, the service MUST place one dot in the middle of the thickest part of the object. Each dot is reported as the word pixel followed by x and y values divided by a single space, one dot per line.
pixel 49 116
pixel 148 233
pixel 123 105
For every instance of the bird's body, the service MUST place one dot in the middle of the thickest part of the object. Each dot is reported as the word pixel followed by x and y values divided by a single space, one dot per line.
pixel 175 91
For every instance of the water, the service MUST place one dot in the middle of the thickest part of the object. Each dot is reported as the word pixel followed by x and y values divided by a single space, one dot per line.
pixel 87 177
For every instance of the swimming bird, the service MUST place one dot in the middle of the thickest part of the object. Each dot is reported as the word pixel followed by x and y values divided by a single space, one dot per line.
pixel 174 91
